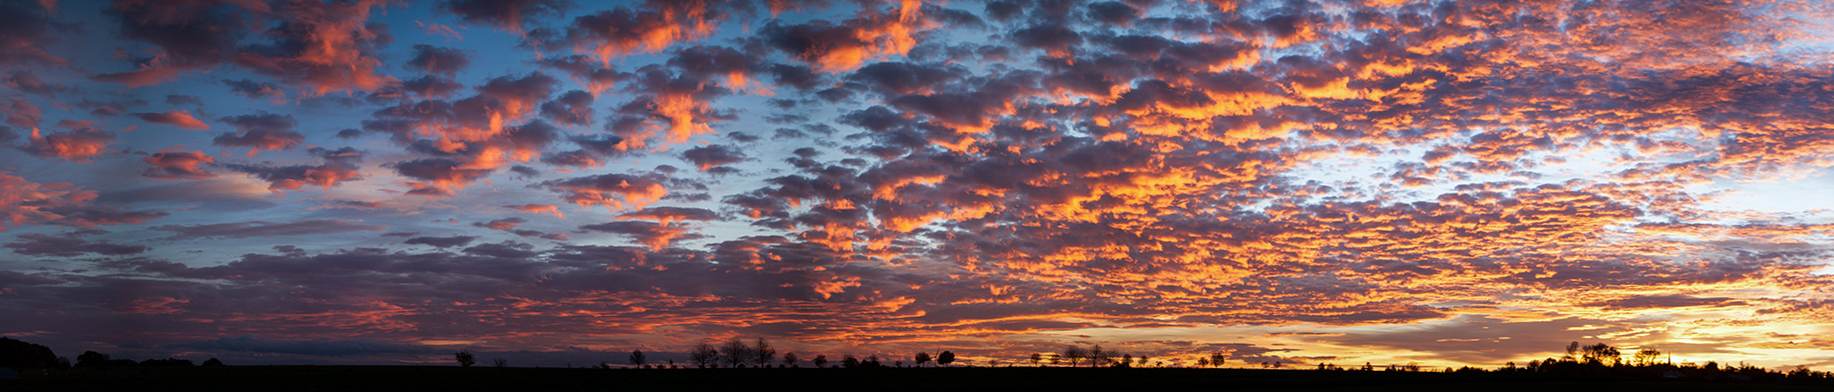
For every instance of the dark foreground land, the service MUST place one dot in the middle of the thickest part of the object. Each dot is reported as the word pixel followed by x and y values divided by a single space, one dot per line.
pixel 399 378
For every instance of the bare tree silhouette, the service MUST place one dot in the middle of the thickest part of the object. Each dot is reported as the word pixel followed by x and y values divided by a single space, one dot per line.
pixel 1073 353
pixel 762 353
pixel 637 358
pixel 465 359
pixel 790 359
pixel 500 362
pixel 704 354
pixel 1035 358
pixel 735 352
pixel 1097 357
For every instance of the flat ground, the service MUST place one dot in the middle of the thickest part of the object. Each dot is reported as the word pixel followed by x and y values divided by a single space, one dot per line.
pixel 398 378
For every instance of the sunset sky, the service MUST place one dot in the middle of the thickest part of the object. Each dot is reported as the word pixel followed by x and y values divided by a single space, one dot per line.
pixel 558 182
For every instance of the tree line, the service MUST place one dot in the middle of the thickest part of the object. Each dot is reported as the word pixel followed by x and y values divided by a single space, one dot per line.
pixel 18 354
pixel 1600 359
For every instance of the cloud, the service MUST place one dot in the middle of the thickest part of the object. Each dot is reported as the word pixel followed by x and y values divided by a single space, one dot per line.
pixel 178 165
pixel 831 47
pixel 253 229
pixel 654 235
pixel 314 347
pixel 187 37
pixel 504 224
pixel 707 157
pixel 339 166
pixel 212 195
pixel 69 246
pixel 260 131
pixel 255 90
pixel 439 60
pixel 1013 178
pixel 29 83
pixel 574 108
pixel 177 118
pixel 667 215
pixel 441 175
pixel 81 142
pixel 614 191
pixel 537 209
pixel 506 15
pixel 441 242
pixel 28 29
pixel 60 203
pixel 20 113
pixel 322 47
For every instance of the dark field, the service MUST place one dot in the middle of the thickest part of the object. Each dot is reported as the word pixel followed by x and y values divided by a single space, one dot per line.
pixel 395 378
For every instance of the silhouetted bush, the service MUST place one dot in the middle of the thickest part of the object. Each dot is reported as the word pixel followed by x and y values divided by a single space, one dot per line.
pixel 18 354
pixel 465 358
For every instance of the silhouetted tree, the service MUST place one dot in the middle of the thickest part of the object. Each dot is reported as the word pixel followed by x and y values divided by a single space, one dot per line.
pixel 18 354
pixel 1599 353
pixel 821 360
pixel 637 358
pixel 1203 362
pixel 1073 353
pixel 1141 361
pixel 762 353
pixel 1217 358
pixel 735 352
pixel 213 362
pixel 1098 357
pixel 1572 351
pixel 945 358
pixel 500 362
pixel 465 359
pixel 92 359
pixel 1646 357
pixel 920 359
pixel 848 361
pixel 1035 358
pixel 1127 360
pixel 790 359
pixel 704 354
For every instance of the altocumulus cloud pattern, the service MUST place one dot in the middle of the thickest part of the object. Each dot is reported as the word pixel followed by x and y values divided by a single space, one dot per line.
pixel 1448 182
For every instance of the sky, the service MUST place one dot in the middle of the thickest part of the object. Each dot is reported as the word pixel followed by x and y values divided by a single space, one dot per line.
pixel 557 183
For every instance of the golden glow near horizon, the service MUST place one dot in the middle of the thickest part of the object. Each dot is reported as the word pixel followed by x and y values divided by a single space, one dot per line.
pixel 1342 181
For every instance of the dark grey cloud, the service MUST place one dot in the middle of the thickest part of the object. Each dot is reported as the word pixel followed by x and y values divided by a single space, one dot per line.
pixel 69 246
pixel 441 242
pixel 266 229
